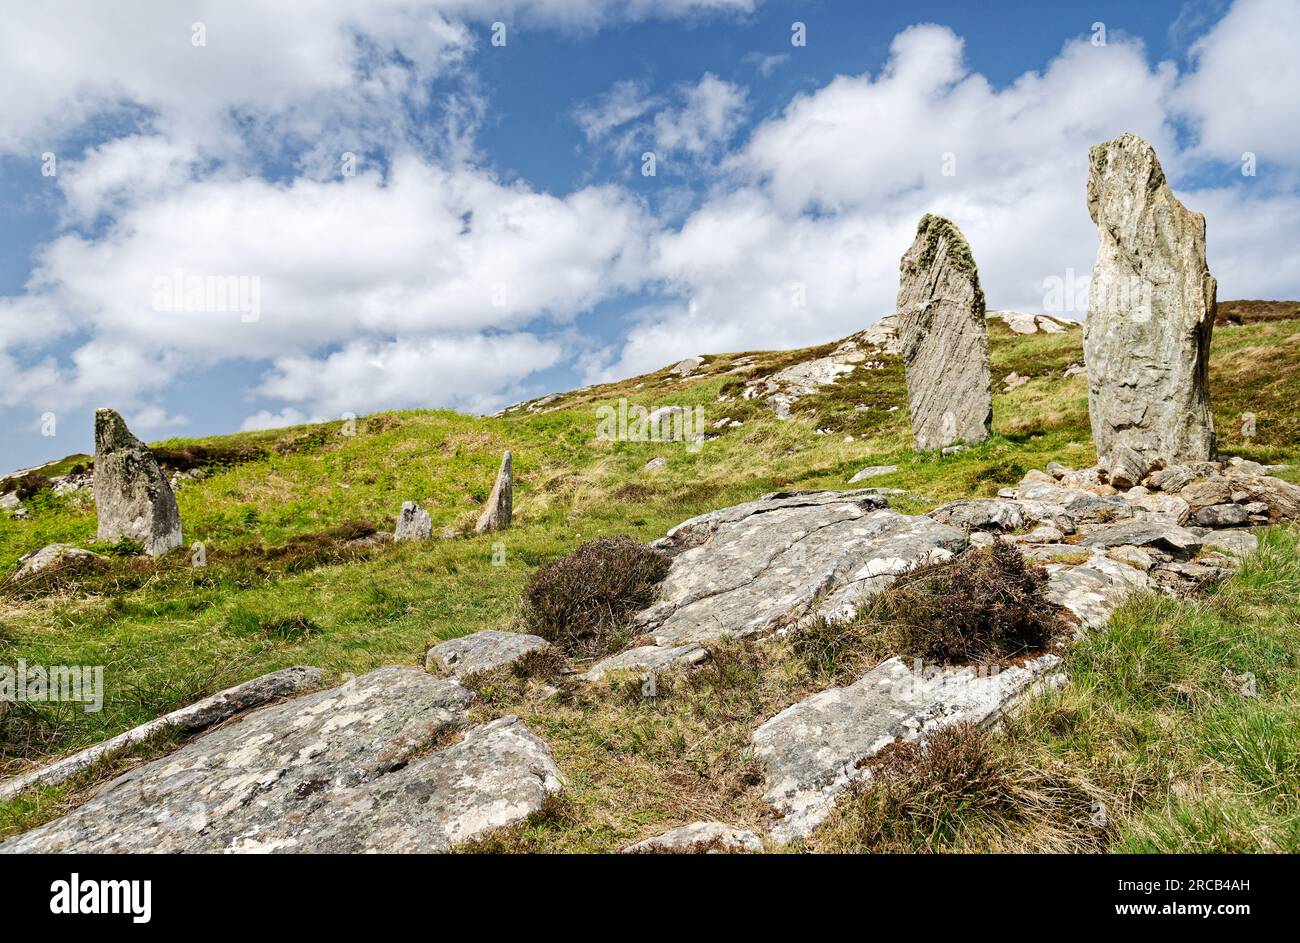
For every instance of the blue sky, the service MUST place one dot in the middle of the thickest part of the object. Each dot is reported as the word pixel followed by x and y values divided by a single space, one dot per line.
pixel 499 238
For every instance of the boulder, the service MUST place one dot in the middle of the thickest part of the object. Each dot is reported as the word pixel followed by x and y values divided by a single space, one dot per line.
pixel 699 838
pixel 873 471
pixel 54 555
pixel 500 506
pixel 413 523
pixel 1150 313
pixel 132 497
pixel 944 338
pixel 357 768
pixel 1145 532
pixel 788 556
pixel 993 514
pixel 1221 515
pixel 1237 542
pixel 1172 479
pixel 648 659
pixel 1203 494
pixel 813 750
pixel 482 651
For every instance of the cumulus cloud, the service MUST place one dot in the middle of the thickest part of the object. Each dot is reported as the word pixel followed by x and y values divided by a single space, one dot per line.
pixel 1241 95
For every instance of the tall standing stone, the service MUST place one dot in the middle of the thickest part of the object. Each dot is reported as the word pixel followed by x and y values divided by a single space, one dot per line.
pixel 500 506
pixel 1151 307
pixel 945 338
pixel 132 497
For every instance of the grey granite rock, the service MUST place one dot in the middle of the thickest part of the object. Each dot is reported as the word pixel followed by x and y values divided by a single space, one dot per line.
pixel 1221 515
pixel 54 555
pixel 811 752
pixel 1145 532
pixel 707 838
pixel 788 556
pixel 1237 542
pixel 993 514
pixel 356 768
pixel 132 497
pixel 648 658
pixel 944 338
pixel 1151 311
pixel 873 471
pixel 482 651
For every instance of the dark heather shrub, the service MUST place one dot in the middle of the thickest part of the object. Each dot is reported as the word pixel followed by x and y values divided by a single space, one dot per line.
pixel 987 603
pixel 583 602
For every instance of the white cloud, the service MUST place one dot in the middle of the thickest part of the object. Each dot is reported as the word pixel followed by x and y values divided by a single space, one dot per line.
pixel 1242 94
pixel 695 120
pixel 470 372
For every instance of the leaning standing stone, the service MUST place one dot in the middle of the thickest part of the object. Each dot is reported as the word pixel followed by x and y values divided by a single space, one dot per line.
pixel 132 497
pixel 413 523
pixel 944 338
pixel 500 506
pixel 1150 313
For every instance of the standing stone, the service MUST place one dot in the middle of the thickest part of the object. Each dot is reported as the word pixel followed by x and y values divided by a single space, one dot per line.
pixel 945 338
pixel 413 523
pixel 1151 308
pixel 132 497
pixel 500 506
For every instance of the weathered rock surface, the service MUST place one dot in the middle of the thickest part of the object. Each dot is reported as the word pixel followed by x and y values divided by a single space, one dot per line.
pixel 788 556
pixel 413 523
pixel 500 505
pixel 355 768
pixel 811 752
pixel 699 838
pixel 132 496
pixel 1023 323
pixel 981 514
pixel 1150 313
pixel 944 338
pixel 873 471
pixel 54 555
pixel 197 716
pixel 482 651
pixel 1144 533
pixel 648 658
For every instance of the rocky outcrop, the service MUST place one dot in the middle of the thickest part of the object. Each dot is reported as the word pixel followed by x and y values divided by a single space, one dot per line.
pixel 413 523
pixel 699 838
pixel 368 766
pixel 757 567
pixel 1151 309
pixel 132 496
pixel 944 338
pixel 648 659
pixel 55 555
pixel 197 716
pixel 814 750
pixel 482 651
pixel 1023 323
pixel 500 506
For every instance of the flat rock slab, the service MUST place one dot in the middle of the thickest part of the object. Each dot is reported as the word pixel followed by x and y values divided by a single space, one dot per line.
pixel 812 751
pixel 1094 589
pixel 649 658
pixel 482 651
pixel 788 556
pixel 873 471
pixel 349 769
pixel 1149 532
pixel 699 838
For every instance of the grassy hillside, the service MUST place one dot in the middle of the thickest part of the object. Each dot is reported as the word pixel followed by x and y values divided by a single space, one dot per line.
pixel 283 586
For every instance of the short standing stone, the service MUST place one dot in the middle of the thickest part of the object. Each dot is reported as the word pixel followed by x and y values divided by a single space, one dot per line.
pixel 500 506
pixel 944 338
pixel 132 498
pixel 413 523
pixel 1150 313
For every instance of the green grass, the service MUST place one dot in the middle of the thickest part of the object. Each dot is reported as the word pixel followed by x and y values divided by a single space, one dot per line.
pixel 279 589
